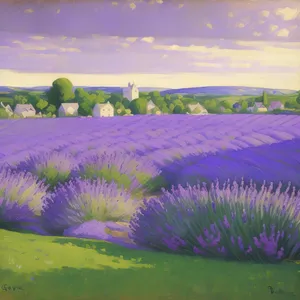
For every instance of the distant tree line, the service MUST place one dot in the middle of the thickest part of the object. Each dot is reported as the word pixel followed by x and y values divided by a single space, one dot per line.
pixel 62 91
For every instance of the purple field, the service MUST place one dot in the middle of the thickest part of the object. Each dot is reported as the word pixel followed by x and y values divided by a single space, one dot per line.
pixel 184 148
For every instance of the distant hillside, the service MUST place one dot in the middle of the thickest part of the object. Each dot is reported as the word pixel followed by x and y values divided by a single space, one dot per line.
pixel 106 89
pixel 228 90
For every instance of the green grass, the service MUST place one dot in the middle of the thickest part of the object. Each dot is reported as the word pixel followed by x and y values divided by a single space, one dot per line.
pixel 68 268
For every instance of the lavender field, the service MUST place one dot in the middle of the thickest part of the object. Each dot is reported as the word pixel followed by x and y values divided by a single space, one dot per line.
pixel 184 148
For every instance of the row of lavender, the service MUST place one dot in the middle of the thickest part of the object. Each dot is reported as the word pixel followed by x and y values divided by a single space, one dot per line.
pixel 234 221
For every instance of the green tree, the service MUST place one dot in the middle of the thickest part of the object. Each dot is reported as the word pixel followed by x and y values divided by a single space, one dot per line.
pixel 177 109
pixel 42 104
pixel 171 107
pixel 265 99
pixel 226 104
pixel 126 102
pixel 114 98
pixel 51 109
pixel 138 106
pixel 298 98
pixel 60 92
pixel 85 108
pixel 20 99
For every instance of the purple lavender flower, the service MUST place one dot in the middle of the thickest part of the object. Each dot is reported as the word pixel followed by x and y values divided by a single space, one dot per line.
pixel 55 167
pixel 21 198
pixel 79 201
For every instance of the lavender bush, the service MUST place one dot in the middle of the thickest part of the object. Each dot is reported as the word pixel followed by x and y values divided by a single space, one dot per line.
pixel 79 201
pixel 235 222
pixel 21 199
pixel 130 171
pixel 54 167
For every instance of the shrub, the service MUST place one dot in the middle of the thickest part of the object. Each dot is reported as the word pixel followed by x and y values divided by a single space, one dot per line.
pixel 54 167
pixel 235 222
pixel 79 201
pixel 21 199
pixel 131 171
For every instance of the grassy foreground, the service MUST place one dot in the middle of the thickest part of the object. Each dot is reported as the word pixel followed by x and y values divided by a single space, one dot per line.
pixel 41 268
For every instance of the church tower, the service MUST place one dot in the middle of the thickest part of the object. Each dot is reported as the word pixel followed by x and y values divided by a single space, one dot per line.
pixel 131 92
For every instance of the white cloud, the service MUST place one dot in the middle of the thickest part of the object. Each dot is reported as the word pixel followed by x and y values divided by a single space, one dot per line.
pixel 148 39
pixel 287 13
pixel 230 14
pixel 125 45
pixel 132 6
pixel 273 27
pixel 159 1
pixel 181 5
pixel 37 37
pixel 261 53
pixel 240 25
pixel 58 11
pixel 69 50
pixel 114 3
pixel 240 65
pixel 209 25
pixel 210 65
pixel 131 39
pixel 28 11
pixel 283 32
pixel 265 13
pixel 256 33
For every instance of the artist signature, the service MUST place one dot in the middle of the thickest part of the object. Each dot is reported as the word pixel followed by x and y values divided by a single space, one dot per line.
pixel 10 288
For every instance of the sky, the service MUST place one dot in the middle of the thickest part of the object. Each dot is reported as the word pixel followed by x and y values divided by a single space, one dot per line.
pixel 166 44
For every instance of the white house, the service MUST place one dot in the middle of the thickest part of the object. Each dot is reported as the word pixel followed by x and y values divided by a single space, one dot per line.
pixel 8 109
pixel 24 110
pixel 103 110
pixel 68 110
pixel 259 107
pixel 197 109
pixel 275 105
pixel 131 92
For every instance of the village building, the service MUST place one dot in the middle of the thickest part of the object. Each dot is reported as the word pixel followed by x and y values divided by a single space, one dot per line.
pixel 68 110
pixel 24 110
pixel 197 109
pixel 8 109
pixel 275 105
pixel 237 106
pixel 103 110
pixel 258 107
pixel 131 92
pixel 150 107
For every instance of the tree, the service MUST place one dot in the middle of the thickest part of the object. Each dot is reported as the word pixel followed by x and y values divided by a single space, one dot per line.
pixel 60 92
pixel 298 98
pixel 138 106
pixel 42 104
pixel 114 98
pixel 226 104
pixel 126 102
pixel 177 109
pixel 20 99
pixel 51 109
pixel 265 99
pixel 85 108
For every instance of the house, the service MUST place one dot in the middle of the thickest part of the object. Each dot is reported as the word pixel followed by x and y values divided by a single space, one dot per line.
pixel 131 92
pixel 68 110
pixel 197 109
pixel 8 109
pixel 103 110
pixel 275 105
pixel 258 107
pixel 237 106
pixel 150 107
pixel 24 110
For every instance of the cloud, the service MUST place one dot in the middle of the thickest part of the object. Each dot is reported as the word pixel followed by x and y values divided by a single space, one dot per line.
pixel 256 33
pixel 287 13
pixel 37 37
pixel 4 47
pixel 125 45
pixel 230 14
pixel 63 37
pixel 260 53
pixel 28 11
pixel 165 56
pixel 283 32
pixel 132 6
pixel 131 39
pixel 159 1
pixel 148 39
pixel 69 50
pixel 29 46
pixel 240 65
pixel 209 65
pixel 273 27
pixel 240 25
pixel 114 3
pixel 265 13
pixel 58 11
pixel 180 5
pixel 209 25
